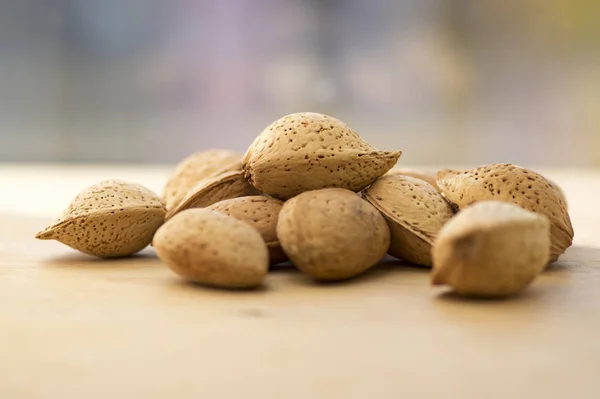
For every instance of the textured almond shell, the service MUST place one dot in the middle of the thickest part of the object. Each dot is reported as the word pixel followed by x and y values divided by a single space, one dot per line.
pixel 195 168
pixel 210 191
pixel 261 213
pixel 511 183
pixel 491 248
pixel 332 234
pixel 559 192
pixel 415 212
pixel 421 174
pixel 310 151
pixel 109 219
pixel 211 248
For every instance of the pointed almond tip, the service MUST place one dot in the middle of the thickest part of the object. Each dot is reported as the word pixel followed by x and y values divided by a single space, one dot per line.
pixel 436 279
pixel 397 155
pixel 438 275
pixel 390 157
pixel 46 234
pixel 393 154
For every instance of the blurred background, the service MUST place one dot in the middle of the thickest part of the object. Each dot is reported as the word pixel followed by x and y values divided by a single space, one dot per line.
pixel 445 81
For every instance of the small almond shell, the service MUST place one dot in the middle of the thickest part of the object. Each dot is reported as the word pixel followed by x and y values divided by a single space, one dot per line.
pixel 415 212
pixel 261 213
pixel 213 249
pixel 195 168
pixel 109 219
pixel 210 191
pixel 511 183
pixel 491 249
pixel 421 174
pixel 309 151
pixel 332 234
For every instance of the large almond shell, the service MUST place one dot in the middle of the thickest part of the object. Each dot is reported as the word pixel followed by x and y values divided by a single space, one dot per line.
pixel 511 183
pixel 195 168
pixel 332 234
pixel 214 249
pixel 261 213
pixel 109 219
pixel 210 191
pixel 415 212
pixel 309 151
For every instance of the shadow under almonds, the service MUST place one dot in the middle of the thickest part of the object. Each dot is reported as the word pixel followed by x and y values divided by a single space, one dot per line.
pixel 577 259
pixel 381 272
pixel 77 260
pixel 449 296
pixel 203 289
pixel 283 268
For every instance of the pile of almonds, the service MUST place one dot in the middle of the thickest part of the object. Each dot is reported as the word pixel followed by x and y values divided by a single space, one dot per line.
pixel 311 191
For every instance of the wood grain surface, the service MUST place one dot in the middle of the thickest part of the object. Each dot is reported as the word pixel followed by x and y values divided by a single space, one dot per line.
pixel 72 326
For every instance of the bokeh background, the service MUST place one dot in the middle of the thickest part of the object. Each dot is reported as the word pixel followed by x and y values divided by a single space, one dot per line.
pixel 446 81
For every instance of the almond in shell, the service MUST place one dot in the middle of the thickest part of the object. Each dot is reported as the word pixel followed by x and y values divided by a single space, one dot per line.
pixel 261 213
pixel 491 249
pixel 211 248
pixel 415 212
pixel 109 219
pixel 511 183
pixel 309 151
pixel 332 234
pixel 195 168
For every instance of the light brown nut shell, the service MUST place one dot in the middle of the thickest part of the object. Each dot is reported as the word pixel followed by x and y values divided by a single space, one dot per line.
pixel 261 213
pixel 415 212
pixel 195 168
pixel 309 151
pixel 214 249
pixel 210 191
pixel 511 183
pixel 109 219
pixel 332 234
pixel 559 191
pixel 421 174
pixel 491 249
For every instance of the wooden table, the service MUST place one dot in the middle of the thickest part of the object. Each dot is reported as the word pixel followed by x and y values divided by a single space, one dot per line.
pixel 72 326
